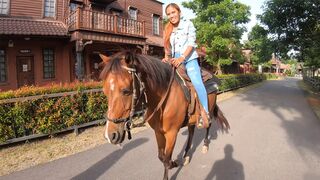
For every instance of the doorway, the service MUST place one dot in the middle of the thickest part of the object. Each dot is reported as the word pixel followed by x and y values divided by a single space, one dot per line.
pixel 25 71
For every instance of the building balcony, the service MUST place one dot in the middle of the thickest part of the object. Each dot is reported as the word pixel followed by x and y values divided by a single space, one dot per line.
pixel 87 20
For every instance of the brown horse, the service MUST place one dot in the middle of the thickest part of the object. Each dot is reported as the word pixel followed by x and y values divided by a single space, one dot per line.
pixel 132 82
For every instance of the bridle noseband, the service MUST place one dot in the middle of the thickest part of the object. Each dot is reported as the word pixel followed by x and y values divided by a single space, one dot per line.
pixel 136 78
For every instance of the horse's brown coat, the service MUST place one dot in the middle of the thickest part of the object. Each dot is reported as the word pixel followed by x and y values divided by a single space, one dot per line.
pixel 168 120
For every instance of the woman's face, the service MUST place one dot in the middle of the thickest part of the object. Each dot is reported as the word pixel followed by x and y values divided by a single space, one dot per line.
pixel 173 15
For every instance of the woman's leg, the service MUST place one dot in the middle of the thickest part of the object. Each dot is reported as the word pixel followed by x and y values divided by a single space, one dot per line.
pixel 194 73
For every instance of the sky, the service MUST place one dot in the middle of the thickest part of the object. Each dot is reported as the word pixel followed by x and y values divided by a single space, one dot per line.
pixel 255 8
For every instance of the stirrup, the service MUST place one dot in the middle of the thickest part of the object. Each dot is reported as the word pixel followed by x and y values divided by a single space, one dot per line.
pixel 200 124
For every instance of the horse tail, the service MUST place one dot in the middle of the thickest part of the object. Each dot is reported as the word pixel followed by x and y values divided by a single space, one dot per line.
pixel 219 117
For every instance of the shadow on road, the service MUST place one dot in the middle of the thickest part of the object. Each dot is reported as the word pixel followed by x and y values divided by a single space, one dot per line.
pixel 103 165
pixel 227 168
pixel 302 126
pixel 196 142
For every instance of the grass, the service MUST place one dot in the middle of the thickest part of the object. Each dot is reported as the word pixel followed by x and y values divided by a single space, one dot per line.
pixel 22 156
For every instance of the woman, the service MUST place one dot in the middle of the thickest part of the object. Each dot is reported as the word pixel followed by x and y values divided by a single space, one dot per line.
pixel 180 44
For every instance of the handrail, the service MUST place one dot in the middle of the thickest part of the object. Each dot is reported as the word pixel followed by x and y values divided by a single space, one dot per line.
pixel 104 22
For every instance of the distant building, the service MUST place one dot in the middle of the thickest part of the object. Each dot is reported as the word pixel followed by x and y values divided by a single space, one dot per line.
pixel 246 67
pixel 277 66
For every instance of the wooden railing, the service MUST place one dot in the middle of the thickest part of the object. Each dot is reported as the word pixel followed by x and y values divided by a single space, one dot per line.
pixel 103 22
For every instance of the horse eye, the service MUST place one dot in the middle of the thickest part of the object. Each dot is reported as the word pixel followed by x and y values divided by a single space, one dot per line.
pixel 126 92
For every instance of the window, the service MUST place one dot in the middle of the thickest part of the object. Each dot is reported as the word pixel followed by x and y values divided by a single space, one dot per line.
pixel 73 7
pixel 156 24
pixel 133 13
pixel 4 7
pixel 3 66
pixel 48 64
pixel 49 8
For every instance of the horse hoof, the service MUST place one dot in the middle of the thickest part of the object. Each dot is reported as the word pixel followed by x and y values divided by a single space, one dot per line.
pixel 204 149
pixel 174 164
pixel 186 161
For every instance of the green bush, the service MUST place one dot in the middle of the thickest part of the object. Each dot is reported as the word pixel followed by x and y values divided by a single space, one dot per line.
pixel 49 89
pixel 49 115
pixel 270 76
pixel 232 81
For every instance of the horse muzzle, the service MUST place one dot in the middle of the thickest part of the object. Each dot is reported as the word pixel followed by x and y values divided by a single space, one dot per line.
pixel 115 136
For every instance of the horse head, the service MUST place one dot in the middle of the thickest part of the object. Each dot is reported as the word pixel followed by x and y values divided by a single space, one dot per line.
pixel 124 90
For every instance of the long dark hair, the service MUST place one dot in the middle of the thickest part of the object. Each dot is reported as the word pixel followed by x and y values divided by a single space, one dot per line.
pixel 169 28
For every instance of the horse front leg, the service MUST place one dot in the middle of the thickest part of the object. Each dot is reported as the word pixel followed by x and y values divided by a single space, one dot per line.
pixel 161 141
pixel 186 156
pixel 170 143
pixel 206 141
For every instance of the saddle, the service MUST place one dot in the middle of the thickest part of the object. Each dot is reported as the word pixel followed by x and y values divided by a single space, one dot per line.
pixel 210 81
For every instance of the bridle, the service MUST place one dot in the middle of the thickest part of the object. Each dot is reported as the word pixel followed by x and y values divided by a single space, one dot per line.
pixel 136 77
pixel 136 81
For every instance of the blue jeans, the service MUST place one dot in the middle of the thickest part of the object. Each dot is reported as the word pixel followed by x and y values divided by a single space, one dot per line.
pixel 194 73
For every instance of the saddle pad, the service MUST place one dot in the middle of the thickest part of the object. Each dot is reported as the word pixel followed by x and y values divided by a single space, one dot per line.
pixel 211 85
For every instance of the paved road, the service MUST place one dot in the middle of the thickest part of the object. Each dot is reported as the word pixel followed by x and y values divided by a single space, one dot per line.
pixel 274 136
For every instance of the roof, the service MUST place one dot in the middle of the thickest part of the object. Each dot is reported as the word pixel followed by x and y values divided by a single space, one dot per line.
pixel 155 41
pixel 16 26
pixel 284 66
pixel 158 1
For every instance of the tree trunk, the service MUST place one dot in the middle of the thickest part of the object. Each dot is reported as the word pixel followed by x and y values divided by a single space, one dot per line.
pixel 219 70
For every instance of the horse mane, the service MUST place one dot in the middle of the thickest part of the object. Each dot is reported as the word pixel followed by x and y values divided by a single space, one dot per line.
pixel 156 73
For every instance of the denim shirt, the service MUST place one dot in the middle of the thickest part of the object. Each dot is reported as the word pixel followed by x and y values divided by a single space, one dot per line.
pixel 182 37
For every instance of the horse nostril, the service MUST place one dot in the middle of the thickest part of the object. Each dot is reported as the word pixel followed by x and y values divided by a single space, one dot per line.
pixel 115 137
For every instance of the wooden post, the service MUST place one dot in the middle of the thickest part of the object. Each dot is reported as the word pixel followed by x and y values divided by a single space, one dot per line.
pixel 143 28
pixel 115 24
pixel 78 24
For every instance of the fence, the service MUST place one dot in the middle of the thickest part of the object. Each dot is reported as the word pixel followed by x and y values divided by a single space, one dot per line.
pixel 312 77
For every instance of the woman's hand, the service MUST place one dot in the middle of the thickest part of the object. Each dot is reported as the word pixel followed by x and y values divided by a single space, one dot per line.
pixel 177 61
pixel 165 60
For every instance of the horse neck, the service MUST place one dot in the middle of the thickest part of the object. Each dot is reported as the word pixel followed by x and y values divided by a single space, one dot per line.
pixel 154 95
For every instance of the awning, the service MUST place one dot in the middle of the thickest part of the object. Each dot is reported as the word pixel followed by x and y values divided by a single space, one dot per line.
pixel 15 26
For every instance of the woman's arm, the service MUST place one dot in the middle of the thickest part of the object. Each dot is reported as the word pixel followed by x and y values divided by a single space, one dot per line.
pixel 191 44
pixel 177 61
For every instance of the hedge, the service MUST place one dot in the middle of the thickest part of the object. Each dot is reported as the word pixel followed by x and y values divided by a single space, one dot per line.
pixel 48 115
pixel 49 89
pixel 51 114
pixel 232 81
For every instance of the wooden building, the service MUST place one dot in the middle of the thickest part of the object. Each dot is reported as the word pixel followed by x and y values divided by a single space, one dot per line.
pixel 58 41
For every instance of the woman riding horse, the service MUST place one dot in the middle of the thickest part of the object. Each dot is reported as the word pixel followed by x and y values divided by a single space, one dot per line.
pixel 180 44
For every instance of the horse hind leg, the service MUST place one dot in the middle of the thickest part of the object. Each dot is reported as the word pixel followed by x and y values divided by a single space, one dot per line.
pixel 206 141
pixel 186 156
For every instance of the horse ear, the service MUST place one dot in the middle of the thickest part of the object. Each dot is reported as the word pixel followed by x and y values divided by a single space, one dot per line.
pixel 129 57
pixel 104 58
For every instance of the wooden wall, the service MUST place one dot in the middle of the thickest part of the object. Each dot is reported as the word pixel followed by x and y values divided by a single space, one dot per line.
pixel 34 9
pixel 62 62
pixel 146 9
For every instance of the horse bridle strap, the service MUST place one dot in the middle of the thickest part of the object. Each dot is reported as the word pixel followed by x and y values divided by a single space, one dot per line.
pixel 134 102
pixel 133 113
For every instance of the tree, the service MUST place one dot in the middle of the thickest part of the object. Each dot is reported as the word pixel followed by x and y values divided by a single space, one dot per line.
pixel 165 20
pixel 260 45
pixel 220 25
pixel 295 25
